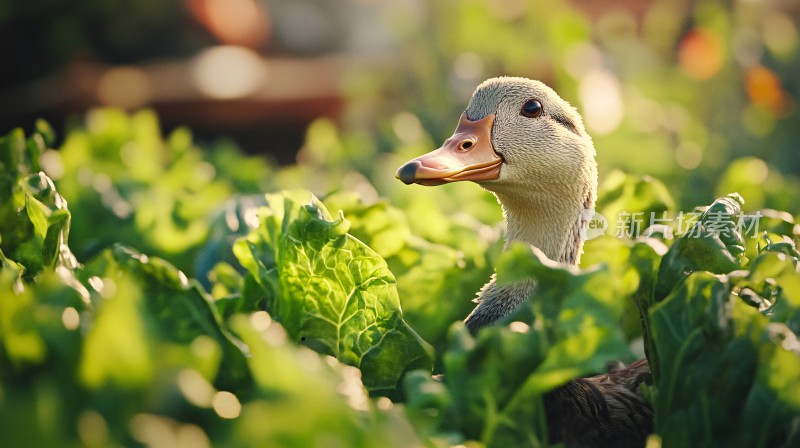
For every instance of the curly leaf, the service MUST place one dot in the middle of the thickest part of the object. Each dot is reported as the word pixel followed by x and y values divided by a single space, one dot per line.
pixel 714 244
pixel 330 290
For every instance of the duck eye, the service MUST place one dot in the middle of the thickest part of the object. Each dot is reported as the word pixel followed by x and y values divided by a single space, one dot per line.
pixel 531 109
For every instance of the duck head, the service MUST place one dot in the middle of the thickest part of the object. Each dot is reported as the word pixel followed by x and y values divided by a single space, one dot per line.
pixel 524 143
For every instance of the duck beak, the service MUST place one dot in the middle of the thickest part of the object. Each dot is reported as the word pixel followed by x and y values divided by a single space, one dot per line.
pixel 467 155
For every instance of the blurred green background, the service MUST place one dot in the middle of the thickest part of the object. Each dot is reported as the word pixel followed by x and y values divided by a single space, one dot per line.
pixel 700 94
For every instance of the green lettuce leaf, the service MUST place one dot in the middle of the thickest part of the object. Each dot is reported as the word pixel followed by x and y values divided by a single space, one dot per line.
pixel 722 341
pixel 34 219
pixel 302 399
pixel 329 290
pixel 436 280
pixel 722 364
pixel 579 310
pixel 495 380
pixel 714 243
pixel 175 307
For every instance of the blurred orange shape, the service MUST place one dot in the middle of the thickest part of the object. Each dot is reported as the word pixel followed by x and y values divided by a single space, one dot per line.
pixel 764 88
pixel 701 54
pixel 234 22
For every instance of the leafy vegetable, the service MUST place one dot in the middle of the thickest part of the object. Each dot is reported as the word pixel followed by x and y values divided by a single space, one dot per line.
pixel 34 219
pixel 495 381
pixel 434 279
pixel 154 193
pixel 713 243
pixel 128 350
pixel 710 345
pixel 330 290
pixel 302 399
pixel 297 311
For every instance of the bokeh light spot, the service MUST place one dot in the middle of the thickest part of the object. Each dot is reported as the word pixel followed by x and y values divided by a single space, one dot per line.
pixel 228 72
pixel 226 405
pixel 237 22
pixel 195 388
pixel 92 428
pixel 161 432
pixel 518 327
pixel 150 429
pixel 52 164
pixel 407 127
pixel 352 388
pixel 780 34
pixel 70 318
pixel 126 87
pixel 757 170
pixel 764 88
pixel 260 320
pixel 689 155
pixel 601 98
pixel 191 436
pixel 384 403
pixel 701 54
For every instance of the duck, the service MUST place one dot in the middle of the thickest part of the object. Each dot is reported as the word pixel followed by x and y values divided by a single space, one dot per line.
pixel 522 142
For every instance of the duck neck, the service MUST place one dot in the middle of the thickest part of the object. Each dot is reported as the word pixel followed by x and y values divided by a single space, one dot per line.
pixel 551 225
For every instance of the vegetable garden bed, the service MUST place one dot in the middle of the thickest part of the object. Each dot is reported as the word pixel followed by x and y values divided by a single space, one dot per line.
pixel 203 312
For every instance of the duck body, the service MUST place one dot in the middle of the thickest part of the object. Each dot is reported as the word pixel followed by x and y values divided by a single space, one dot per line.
pixel 603 411
pixel 521 141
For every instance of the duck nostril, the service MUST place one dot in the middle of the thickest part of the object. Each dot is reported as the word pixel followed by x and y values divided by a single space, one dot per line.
pixel 465 145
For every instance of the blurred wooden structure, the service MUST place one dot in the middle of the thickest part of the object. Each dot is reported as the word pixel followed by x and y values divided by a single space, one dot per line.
pixel 269 117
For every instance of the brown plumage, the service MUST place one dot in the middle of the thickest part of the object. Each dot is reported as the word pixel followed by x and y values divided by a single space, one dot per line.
pixel 601 411
pixel 521 141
